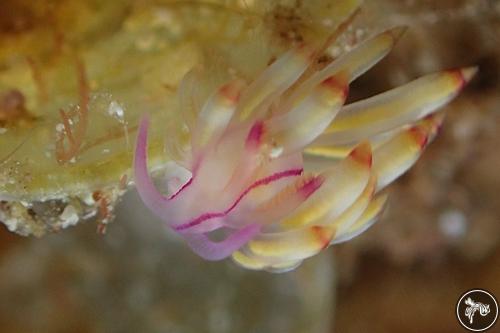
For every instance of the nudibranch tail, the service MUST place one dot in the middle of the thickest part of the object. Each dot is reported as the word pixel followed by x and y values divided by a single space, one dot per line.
pixel 243 165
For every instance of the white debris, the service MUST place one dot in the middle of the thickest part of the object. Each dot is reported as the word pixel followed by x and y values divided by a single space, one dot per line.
pixel 12 224
pixel 335 51
pixel 116 110
pixel 327 22
pixel 69 216
pixel 3 130
pixel 359 33
pixel 88 199
pixel 59 127
pixel 276 152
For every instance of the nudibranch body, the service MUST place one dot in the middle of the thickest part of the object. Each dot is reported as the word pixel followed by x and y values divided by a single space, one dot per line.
pixel 239 186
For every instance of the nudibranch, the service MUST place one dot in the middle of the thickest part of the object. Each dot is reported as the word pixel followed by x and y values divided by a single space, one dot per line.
pixel 240 187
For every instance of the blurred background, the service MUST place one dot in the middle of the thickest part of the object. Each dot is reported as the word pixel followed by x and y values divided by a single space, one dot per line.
pixel 440 234
pixel 438 238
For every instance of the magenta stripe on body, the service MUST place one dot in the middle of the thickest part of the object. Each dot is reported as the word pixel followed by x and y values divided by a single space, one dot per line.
pixel 263 181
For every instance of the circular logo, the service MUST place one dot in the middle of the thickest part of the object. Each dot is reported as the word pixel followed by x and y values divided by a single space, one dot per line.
pixel 477 310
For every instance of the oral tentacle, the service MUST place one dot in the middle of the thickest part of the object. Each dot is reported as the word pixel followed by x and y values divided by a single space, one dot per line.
pixel 147 190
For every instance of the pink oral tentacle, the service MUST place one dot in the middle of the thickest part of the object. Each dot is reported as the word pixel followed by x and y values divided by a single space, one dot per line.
pixel 261 182
pixel 211 250
pixel 153 199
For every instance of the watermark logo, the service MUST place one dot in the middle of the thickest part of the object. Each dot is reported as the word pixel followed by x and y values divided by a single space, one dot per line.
pixel 477 310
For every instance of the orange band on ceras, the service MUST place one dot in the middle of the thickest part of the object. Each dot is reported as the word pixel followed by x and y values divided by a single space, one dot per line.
pixel 362 154
pixel 419 135
pixel 323 235
pixel 463 75
pixel 337 83
pixel 231 92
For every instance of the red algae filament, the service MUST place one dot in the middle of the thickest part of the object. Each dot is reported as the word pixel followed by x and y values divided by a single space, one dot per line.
pixel 75 139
